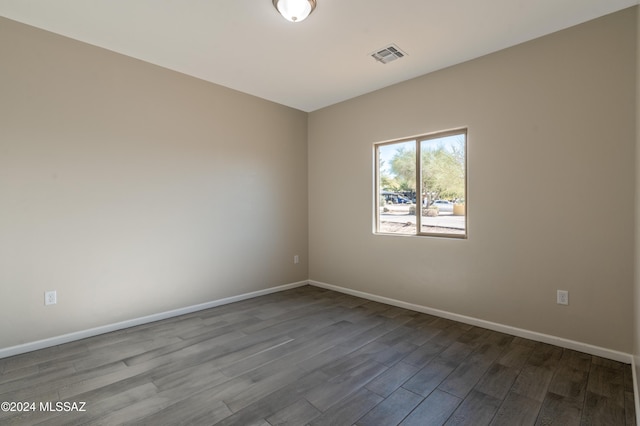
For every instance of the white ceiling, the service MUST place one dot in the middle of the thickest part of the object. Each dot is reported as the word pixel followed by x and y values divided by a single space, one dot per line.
pixel 247 46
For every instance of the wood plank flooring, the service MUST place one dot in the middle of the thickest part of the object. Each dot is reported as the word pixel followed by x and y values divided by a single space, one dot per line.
pixel 317 357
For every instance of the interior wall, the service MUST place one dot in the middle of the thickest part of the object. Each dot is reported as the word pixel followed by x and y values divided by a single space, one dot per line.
pixel 551 151
pixel 133 190
pixel 637 230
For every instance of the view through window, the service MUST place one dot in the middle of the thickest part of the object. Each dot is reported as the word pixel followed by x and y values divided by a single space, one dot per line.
pixel 425 197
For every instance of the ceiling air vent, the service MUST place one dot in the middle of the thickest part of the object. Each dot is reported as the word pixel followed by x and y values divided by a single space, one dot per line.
pixel 388 54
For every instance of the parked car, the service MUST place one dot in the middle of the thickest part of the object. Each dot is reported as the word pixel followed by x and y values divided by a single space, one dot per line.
pixel 394 198
pixel 443 205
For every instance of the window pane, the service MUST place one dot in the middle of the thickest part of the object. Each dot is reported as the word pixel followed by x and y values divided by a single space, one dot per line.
pixel 397 188
pixel 443 185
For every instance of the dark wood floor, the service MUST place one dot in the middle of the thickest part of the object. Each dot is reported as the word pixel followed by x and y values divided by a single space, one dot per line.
pixel 312 356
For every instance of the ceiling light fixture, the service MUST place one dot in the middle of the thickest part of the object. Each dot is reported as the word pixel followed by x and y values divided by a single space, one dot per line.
pixel 295 10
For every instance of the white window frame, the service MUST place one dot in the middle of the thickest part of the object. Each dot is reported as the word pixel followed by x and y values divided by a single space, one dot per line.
pixel 419 186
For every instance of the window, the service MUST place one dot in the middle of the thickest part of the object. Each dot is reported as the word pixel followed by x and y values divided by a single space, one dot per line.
pixel 425 197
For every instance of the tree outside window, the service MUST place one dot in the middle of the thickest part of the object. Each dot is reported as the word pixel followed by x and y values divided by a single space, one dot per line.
pixel 425 197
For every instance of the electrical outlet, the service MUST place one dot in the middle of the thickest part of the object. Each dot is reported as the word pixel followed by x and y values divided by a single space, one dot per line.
pixel 296 259
pixel 563 297
pixel 50 297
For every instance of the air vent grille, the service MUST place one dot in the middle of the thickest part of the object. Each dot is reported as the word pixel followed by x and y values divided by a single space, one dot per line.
pixel 388 54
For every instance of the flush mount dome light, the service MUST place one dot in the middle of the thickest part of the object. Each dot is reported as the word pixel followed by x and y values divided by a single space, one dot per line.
pixel 295 10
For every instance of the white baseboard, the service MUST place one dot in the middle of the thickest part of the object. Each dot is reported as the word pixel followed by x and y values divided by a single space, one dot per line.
pixel 532 335
pixel 83 334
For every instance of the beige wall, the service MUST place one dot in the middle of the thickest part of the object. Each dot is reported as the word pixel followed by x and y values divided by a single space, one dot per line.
pixel 551 153
pixel 133 190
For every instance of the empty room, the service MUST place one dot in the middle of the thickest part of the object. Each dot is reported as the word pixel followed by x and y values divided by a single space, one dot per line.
pixel 319 212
